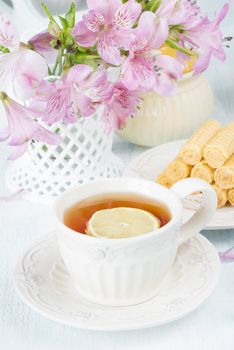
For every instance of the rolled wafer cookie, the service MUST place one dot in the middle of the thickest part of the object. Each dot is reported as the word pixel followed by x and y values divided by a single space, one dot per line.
pixel 203 171
pixel 163 180
pixel 221 195
pixel 220 148
pixel 191 152
pixel 224 176
pixel 177 170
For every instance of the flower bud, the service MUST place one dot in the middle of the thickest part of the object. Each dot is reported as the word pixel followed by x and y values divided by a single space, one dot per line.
pixel 54 29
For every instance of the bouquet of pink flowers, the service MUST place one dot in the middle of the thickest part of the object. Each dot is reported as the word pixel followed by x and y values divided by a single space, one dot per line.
pixel 106 60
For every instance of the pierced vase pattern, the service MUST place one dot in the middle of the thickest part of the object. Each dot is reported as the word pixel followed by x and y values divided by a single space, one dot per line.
pixel 85 154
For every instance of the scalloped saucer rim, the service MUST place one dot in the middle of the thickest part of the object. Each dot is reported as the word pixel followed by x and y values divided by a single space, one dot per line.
pixel 43 283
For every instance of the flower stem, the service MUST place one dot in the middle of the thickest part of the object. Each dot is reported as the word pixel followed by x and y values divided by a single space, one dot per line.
pixel 177 47
pixel 61 62
pixel 90 56
pixel 55 66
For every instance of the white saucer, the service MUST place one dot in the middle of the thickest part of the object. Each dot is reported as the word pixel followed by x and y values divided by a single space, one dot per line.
pixel 43 283
pixel 152 162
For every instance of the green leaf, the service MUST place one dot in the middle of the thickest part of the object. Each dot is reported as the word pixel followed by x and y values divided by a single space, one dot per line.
pixel 71 15
pixel 63 38
pixel 79 58
pixel 176 28
pixel 69 41
pixel 63 22
pixel 53 27
pixel 175 46
pixel 81 48
pixel 45 8
pixel 153 5
pixel 4 49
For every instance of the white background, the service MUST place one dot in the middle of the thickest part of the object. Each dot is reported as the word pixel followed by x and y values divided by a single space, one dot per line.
pixel 211 327
pixel 209 6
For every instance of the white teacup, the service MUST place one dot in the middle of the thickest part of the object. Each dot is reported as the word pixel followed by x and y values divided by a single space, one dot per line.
pixel 127 271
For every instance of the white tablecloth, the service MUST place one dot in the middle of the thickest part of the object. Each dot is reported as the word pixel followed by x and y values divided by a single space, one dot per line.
pixel 211 327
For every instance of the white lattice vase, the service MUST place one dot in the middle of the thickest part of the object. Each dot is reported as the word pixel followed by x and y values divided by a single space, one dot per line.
pixel 161 119
pixel 85 154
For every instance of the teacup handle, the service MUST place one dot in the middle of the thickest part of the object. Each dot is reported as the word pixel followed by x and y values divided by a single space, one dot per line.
pixel 205 212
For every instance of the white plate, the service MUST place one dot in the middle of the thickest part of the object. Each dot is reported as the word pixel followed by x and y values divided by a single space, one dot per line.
pixel 152 162
pixel 43 283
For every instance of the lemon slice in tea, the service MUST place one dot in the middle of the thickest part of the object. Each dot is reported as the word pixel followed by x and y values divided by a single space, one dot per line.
pixel 121 222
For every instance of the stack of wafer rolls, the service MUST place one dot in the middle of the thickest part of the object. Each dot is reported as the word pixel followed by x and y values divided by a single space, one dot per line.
pixel 208 155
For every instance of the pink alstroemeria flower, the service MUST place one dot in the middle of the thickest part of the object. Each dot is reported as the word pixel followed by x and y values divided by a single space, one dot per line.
pixel 22 127
pixel 122 105
pixel 206 36
pixel 179 12
pixel 41 44
pixel 227 255
pixel 137 71
pixel 9 37
pixel 22 69
pixel 89 89
pixel 168 71
pixel 79 93
pixel 196 31
pixel 109 25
